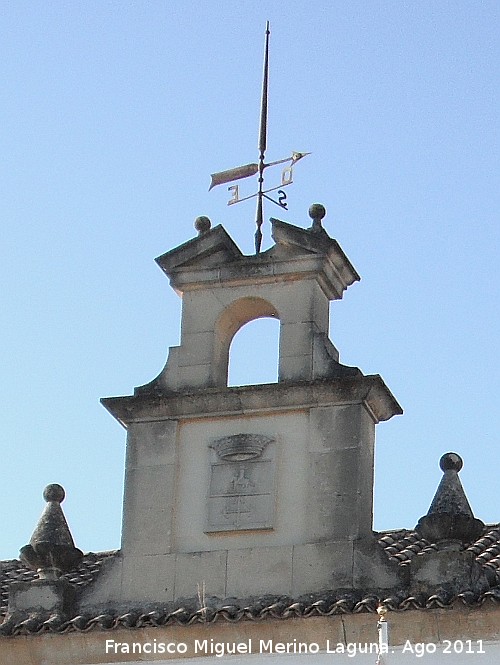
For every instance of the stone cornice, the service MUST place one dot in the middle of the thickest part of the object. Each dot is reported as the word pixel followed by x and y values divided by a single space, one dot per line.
pixel 246 400
pixel 82 640
pixel 324 268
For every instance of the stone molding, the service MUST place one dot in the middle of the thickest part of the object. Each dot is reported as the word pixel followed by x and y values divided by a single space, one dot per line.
pixel 145 406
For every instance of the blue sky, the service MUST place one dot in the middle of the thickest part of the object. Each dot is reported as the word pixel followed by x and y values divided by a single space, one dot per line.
pixel 114 115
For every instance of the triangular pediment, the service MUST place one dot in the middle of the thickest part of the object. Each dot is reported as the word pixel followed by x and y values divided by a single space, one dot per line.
pixel 215 247
pixel 214 258
pixel 294 241
pixel 301 241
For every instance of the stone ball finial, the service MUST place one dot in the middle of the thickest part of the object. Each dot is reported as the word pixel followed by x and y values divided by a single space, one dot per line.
pixel 317 212
pixel 54 492
pixel 202 224
pixel 451 462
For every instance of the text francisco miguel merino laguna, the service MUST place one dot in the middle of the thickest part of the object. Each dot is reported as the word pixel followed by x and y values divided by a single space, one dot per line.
pixel 249 646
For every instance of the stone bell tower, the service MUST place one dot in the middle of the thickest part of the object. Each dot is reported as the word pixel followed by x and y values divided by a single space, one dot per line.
pixel 251 490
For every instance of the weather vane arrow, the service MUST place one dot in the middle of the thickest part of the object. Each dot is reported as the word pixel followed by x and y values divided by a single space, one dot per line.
pixel 248 170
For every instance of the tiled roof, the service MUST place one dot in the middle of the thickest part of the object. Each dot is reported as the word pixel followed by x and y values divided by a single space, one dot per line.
pixel 14 571
pixel 400 546
pixel 265 608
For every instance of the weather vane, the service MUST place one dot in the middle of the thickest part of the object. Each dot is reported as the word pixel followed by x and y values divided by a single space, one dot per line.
pixel 248 170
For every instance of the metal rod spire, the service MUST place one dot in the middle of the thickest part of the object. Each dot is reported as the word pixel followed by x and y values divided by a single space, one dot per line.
pixel 262 141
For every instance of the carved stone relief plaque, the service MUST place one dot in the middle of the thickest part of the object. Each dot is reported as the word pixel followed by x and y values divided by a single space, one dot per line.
pixel 241 491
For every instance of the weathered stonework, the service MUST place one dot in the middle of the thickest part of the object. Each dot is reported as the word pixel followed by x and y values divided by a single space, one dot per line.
pixel 272 482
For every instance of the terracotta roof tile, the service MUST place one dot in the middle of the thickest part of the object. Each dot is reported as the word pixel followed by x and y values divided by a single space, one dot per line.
pixel 402 545
pixel 279 608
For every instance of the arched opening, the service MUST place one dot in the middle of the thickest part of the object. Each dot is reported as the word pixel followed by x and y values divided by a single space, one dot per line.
pixel 254 353
pixel 256 343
